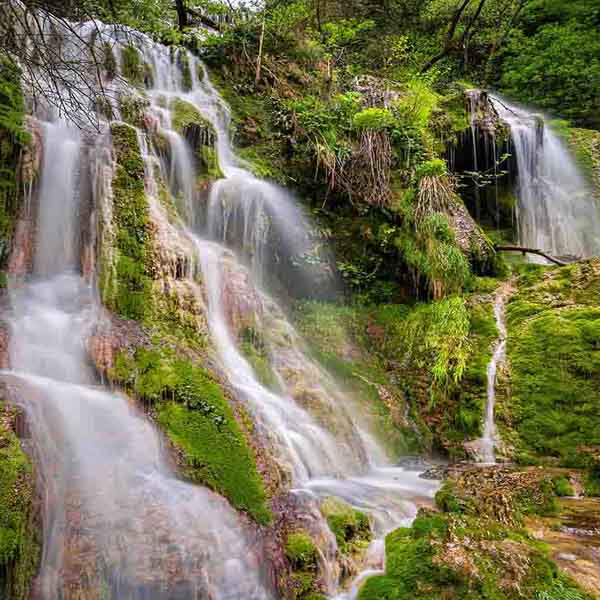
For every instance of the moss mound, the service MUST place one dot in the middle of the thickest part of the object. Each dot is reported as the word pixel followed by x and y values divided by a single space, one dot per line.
pixel 464 553
pixel 554 351
pixel 196 416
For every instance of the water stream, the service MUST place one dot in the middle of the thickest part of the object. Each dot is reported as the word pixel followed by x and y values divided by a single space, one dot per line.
pixel 488 442
pixel 556 210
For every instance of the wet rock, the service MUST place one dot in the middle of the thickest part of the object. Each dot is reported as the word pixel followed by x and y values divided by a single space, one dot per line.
pixel 21 257
pixel 482 112
pixel 32 156
pixel 565 556
pixel 4 341
pixel 111 336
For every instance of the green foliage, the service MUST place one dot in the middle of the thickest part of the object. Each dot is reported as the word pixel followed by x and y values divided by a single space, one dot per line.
pixel 557 69
pixel 190 406
pixel 432 168
pixel 562 486
pixel 433 256
pixel 13 138
pixel 373 119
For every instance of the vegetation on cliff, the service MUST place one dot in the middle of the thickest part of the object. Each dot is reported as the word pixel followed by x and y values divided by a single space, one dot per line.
pixel 167 369
pixel 19 543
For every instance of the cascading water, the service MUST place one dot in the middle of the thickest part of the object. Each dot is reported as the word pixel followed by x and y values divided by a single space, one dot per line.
pixel 117 522
pixel 112 501
pixel 308 421
pixel 556 210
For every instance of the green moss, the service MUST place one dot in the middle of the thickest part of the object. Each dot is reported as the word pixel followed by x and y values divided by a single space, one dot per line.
pixel 131 63
pixel 301 551
pixel 19 547
pixel 337 339
pixel 133 68
pixel 200 134
pixel 302 555
pixel 554 350
pixel 186 73
pixel 133 109
pixel 13 139
pixel 253 348
pixel 196 416
pixel 125 279
pixel 351 527
pixel 186 115
pixel 465 558
pixel 109 62
pixel 586 145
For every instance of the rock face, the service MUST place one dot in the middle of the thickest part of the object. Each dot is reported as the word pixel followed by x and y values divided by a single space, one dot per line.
pixel 482 113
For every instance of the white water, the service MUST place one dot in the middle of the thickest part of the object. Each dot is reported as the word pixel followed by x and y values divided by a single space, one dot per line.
pixel 327 451
pixel 487 444
pixel 135 512
pixel 116 519
pixel 556 210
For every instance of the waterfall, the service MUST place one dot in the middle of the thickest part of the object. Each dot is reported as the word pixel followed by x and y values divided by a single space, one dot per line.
pixel 556 210
pixel 117 521
pixel 147 533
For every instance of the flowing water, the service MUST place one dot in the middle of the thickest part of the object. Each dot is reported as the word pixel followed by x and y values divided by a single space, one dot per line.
pixel 117 522
pixel 556 210
pixel 111 499
pixel 486 445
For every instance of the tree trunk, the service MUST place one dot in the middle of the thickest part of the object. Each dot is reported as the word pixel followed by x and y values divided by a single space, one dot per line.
pixel 448 44
pixel 260 51
pixel 182 15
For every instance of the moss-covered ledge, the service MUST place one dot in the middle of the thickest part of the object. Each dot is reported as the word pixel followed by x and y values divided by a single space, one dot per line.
pixel 200 134
pixel 19 543
pixel 125 270
pixel 554 353
pixel 192 409
pixel 465 552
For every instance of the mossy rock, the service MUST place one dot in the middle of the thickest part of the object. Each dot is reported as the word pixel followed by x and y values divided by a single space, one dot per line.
pixel 19 538
pixel 554 352
pixel 351 527
pixel 126 266
pixel 302 554
pixel 134 68
pixel 197 418
pixel 466 558
pixel 200 134
pixel 133 109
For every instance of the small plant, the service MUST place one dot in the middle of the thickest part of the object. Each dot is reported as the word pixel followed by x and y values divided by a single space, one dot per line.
pixel 373 119
pixel 301 551
pixel 563 487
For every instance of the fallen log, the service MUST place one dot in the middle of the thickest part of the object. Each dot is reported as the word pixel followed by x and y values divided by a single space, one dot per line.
pixel 523 250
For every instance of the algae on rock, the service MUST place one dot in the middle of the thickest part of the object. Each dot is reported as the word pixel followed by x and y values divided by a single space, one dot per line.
pixel 19 543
